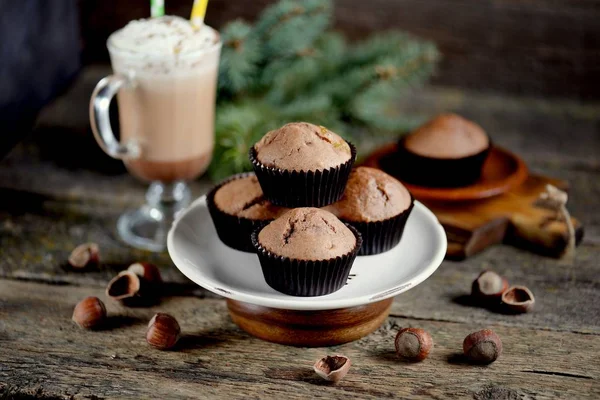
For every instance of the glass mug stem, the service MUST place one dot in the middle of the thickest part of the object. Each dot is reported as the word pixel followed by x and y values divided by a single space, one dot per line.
pixel 146 227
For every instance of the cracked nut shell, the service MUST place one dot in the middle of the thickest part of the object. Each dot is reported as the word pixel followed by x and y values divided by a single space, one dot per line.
pixel 146 271
pixel 518 299
pixel 489 286
pixel 89 313
pixel 332 368
pixel 482 347
pixel 84 255
pixel 413 343
pixel 126 287
pixel 163 331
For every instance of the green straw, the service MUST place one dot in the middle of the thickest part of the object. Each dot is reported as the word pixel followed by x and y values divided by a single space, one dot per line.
pixel 157 8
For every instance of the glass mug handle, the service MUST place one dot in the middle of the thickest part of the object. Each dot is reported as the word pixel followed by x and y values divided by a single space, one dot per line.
pixel 102 95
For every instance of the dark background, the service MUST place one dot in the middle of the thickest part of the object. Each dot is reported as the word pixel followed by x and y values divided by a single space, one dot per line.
pixel 542 48
pixel 530 47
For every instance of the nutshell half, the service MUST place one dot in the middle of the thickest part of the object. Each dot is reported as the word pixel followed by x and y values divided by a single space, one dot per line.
pixel 332 368
pixel 518 299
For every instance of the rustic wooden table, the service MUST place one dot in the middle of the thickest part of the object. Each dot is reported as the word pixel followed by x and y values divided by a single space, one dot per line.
pixel 57 190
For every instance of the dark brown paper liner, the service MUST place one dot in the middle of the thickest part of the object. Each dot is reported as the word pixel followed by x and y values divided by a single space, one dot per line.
pixel 303 188
pixel 232 230
pixel 381 236
pixel 305 278
pixel 435 172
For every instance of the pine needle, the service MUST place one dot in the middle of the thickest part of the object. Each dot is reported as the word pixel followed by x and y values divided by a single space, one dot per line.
pixel 291 66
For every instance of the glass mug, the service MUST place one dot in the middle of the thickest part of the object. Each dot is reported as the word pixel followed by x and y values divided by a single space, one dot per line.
pixel 166 107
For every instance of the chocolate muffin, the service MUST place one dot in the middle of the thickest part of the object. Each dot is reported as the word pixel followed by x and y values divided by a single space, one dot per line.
pixel 237 206
pixel 377 205
pixel 447 151
pixel 302 165
pixel 306 251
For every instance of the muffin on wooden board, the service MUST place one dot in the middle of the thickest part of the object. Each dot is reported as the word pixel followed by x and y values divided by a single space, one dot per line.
pixel 302 165
pixel 237 206
pixel 447 151
pixel 306 251
pixel 377 205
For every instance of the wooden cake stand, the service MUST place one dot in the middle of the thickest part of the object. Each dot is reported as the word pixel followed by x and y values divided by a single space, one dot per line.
pixel 309 328
pixel 499 208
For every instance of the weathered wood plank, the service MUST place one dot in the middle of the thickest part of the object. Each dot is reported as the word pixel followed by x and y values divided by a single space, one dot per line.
pixel 44 352
pixel 510 46
pixel 49 202
pixel 39 231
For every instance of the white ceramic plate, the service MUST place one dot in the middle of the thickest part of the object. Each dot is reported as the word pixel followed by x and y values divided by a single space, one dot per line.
pixel 196 250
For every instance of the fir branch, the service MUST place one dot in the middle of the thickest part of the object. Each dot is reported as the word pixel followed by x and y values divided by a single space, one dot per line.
pixel 306 107
pixel 285 40
pixel 288 77
pixel 289 67
pixel 379 45
pixel 412 63
pixel 274 14
pixel 281 12
pixel 288 27
pixel 240 55
pixel 237 127
pixel 376 108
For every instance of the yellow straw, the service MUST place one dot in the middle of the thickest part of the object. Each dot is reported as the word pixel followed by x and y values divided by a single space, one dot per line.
pixel 198 12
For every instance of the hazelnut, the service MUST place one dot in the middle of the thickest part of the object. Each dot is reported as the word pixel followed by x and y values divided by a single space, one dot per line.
pixel 482 347
pixel 489 286
pixel 413 343
pixel 89 313
pixel 163 331
pixel 518 299
pixel 332 368
pixel 84 255
pixel 146 271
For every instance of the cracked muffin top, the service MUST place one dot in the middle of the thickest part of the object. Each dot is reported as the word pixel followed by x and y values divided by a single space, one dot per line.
pixel 447 136
pixel 243 197
pixel 303 146
pixel 371 195
pixel 307 233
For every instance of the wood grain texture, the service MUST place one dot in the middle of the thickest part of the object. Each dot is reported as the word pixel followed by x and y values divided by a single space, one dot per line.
pixel 309 328
pixel 474 220
pixel 51 356
pixel 52 199
pixel 539 47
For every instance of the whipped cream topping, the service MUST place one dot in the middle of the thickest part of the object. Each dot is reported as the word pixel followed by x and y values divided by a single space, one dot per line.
pixel 163 36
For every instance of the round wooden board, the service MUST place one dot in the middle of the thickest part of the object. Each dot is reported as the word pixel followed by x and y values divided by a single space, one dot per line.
pixel 309 328
pixel 501 172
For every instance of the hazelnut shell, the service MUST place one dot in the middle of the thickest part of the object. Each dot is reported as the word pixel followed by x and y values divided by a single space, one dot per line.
pixel 518 299
pixel 489 286
pixel 413 343
pixel 89 313
pixel 332 368
pixel 146 271
pixel 482 347
pixel 163 331
pixel 126 287
pixel 84 255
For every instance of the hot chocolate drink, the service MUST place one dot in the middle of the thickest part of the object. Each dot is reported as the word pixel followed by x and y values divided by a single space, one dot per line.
pixel 165 81
pixel 168 110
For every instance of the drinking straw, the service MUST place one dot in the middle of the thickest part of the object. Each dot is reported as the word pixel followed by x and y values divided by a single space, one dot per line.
pixel 157 8
pixel 198 12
